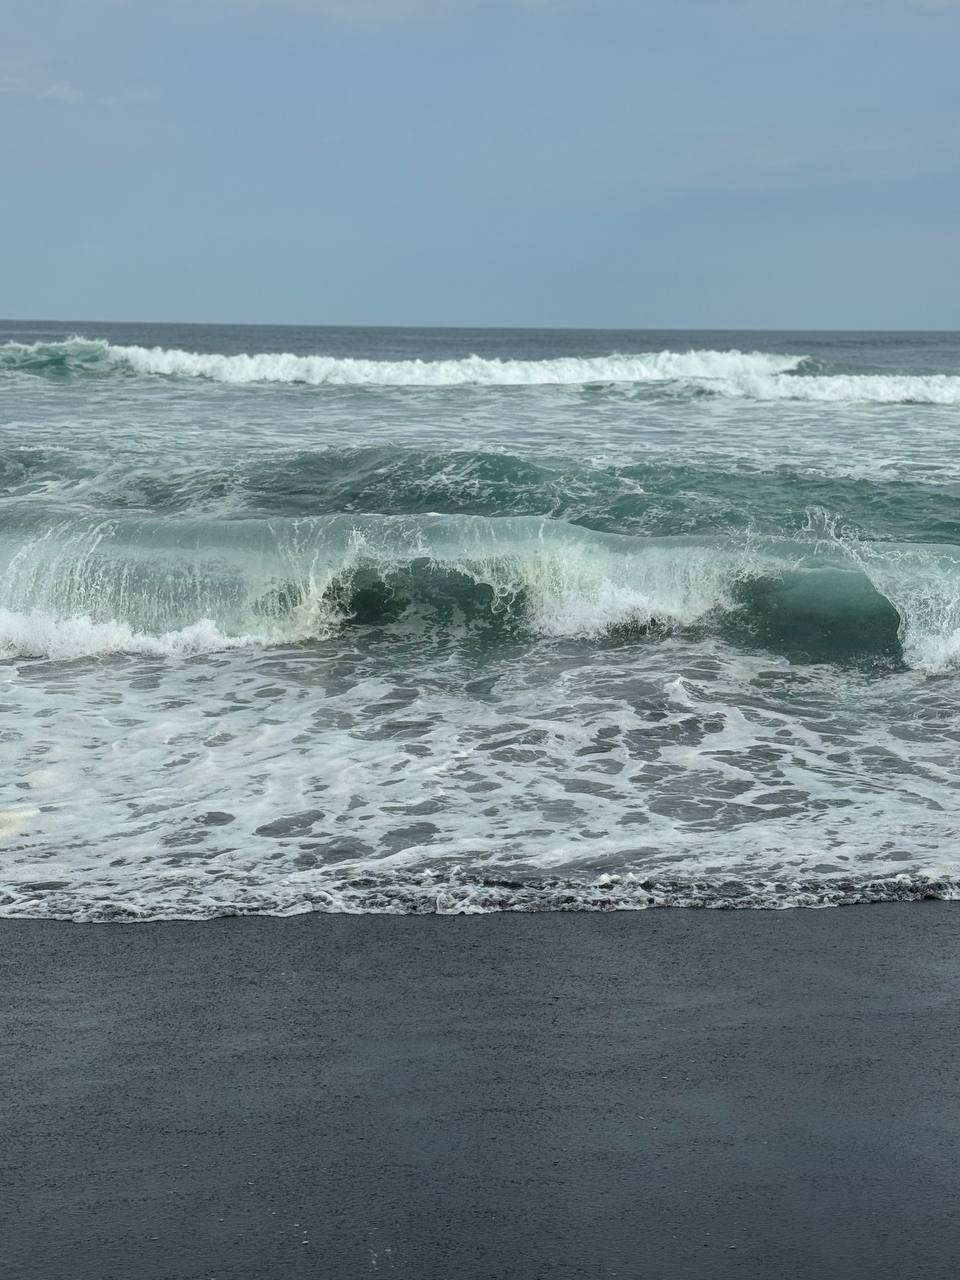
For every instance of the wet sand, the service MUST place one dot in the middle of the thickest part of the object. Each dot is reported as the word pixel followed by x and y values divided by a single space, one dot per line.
pixel 666 1094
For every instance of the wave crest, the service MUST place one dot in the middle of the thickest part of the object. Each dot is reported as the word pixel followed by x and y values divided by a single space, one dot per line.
pixel 85 586
pixel 732 374
pixel 852 388
pixel 81 354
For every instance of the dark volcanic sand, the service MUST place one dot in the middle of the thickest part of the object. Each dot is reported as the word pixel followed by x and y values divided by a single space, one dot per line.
pixel 663 1094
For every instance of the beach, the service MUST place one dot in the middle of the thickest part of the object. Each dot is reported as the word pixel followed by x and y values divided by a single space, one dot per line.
pixel 479 641
pixel 666 1093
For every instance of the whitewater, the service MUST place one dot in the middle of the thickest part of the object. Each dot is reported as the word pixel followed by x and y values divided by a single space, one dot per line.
pixel 750 375
pixel 451 620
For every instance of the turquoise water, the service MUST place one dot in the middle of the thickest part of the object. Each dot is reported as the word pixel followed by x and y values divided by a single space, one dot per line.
pixel 300 619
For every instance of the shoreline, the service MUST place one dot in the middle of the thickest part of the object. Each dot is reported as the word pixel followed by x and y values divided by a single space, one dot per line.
pixel 427 893
pixel 692 1094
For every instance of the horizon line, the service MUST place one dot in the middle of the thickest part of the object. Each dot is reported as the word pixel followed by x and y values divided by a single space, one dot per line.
pixel 473 328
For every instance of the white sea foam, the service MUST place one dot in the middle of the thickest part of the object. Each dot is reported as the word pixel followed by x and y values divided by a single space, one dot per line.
pixel 318 370
pixel 473 370
pixel 734 374
pixel 938 388
pixel 39 634
pixel 13 821
pixel 278 785
pixel 923 585
pixel 584 589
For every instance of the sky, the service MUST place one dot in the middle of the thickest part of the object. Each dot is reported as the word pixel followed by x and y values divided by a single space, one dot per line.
pixel 601 163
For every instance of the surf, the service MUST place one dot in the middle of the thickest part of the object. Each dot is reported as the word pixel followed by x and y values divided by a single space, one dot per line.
pixel 77 586
pixel 81 355
pixel 731 374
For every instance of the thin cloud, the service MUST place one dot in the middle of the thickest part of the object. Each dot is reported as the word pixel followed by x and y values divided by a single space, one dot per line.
pixel 32 86
pixel 60 93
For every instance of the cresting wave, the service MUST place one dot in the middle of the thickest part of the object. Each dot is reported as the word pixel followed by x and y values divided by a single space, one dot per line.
pixel 80 586
pixel 80 354
pixel 842 388
pixel 732 374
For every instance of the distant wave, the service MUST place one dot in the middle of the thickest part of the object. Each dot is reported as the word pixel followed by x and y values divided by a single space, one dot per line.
pixel 731 374
pixel 80 586
pixel 80 354
pixel 940 388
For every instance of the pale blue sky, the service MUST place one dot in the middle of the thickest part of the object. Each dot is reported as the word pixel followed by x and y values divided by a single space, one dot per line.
pixel 734 163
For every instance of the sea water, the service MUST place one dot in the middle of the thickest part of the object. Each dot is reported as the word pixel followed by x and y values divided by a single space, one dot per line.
pixel 451 620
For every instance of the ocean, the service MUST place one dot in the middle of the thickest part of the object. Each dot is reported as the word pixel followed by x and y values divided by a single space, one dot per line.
pixel 412 620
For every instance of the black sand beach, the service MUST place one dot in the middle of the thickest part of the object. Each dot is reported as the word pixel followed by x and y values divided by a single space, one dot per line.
pixel 664 1094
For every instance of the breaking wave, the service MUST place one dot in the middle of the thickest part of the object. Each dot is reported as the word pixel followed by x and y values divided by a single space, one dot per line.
pixel 81 586
pixel 940 388
pixel 80 355
pixel 732 374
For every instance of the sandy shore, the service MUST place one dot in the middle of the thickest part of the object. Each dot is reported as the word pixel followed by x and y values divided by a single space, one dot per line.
pixel 664 1094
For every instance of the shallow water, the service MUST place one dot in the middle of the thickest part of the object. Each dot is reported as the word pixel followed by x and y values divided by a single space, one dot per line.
pixel 445 620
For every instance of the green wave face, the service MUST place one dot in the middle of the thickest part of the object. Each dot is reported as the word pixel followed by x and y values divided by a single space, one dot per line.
pixel 299 580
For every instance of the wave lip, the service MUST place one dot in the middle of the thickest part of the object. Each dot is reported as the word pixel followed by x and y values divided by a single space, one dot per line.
pixel 80 354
